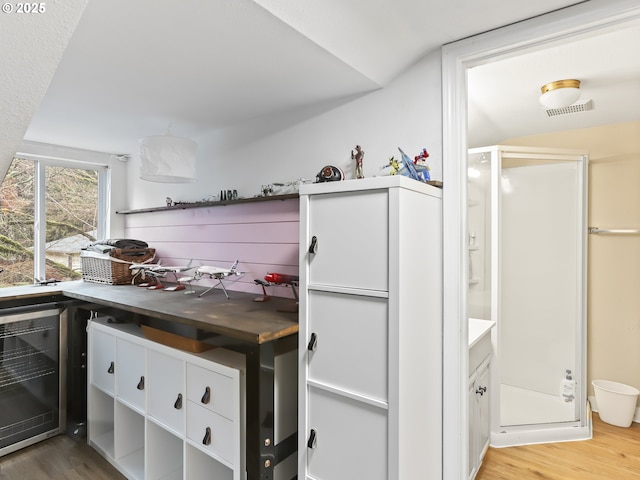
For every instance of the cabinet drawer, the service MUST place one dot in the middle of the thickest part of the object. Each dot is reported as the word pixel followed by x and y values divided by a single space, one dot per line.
pixel 352 248
pixel 351 349
pixel 167 400
pixel 211 390
pixel 102 352
pixel 351 438
pixel 213 432
pixel 131 368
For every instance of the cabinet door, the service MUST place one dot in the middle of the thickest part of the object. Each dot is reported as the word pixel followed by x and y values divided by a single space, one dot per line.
pixel 131 373
pixel 212 432
pixel 351 438
pixel 473 429
pixel 479 425
pixel 211 390
pixel 348 343
pixel 482 409
pixel 167 399
pixel 352 232
pixel 102 357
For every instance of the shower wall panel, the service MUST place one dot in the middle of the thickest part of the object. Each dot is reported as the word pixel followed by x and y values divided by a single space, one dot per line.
pixel 539 293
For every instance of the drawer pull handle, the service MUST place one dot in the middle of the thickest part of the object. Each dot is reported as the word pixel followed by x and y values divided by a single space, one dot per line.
pixel 313 343
pixel 207 396
pixel 207 437
pixel 311 443
pixel 313 248
pixel 481 390
pixel 112 368
pixel 140 385
pixel 178 404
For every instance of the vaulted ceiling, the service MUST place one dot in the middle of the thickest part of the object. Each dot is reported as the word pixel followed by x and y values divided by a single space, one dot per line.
pixel 133 68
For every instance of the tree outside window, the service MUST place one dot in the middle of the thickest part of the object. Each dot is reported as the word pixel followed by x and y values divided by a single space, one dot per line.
pixel 70 215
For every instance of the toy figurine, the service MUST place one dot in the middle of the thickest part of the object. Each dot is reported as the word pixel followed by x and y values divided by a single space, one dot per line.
pixel 393 165
pixel 422 157
pixel 330 173
pixel 421 165
pixel 415 169
pixel 358 156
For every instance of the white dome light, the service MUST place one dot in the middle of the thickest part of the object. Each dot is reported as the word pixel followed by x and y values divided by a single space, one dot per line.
pixel 560 94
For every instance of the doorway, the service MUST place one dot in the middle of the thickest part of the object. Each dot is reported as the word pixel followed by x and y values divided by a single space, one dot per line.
pixel 589 17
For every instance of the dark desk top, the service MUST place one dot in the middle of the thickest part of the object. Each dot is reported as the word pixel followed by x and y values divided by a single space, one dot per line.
pixel 239 317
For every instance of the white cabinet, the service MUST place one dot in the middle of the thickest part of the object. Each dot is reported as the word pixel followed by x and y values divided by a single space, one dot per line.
pixel 130 378
pixel 478 417
pixel 480 354
pixel 155 412
pixel 167 398
pixel 370 398
pixel 103 364
pixel 211 390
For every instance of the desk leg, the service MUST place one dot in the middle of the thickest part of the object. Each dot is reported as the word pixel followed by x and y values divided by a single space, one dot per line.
pixel 260 445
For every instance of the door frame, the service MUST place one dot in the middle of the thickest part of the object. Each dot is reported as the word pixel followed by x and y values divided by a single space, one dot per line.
pixel 586 18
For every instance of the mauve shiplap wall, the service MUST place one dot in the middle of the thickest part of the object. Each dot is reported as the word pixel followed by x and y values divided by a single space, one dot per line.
pixel 263 236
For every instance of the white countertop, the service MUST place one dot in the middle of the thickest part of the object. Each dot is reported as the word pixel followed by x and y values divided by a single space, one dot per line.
pixel 478 328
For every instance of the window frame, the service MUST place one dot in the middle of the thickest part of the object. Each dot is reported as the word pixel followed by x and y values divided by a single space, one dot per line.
pixel 40 162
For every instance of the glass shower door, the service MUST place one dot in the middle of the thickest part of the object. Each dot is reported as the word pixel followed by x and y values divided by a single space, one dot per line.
pixel 541 289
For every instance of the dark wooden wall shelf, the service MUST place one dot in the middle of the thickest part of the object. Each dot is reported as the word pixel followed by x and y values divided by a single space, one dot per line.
pixel 185 206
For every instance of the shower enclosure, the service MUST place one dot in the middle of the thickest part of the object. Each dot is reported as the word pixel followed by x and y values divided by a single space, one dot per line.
pixel 527 272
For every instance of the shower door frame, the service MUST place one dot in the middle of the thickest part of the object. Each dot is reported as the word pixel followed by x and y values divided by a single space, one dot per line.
pixel 580 428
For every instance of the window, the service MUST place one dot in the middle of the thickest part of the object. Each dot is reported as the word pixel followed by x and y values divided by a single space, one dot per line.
pixel 49 211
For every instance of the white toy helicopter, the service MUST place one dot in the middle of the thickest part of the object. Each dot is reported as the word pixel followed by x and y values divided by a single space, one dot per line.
pixel 157 271
pixel 217 273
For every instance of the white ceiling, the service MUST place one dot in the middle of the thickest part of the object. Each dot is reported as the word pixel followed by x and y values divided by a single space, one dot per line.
pixel 504 95
pixel 132 68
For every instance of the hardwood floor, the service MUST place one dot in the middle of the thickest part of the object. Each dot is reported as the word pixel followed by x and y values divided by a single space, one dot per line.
pixel 613 453
pixel 58 458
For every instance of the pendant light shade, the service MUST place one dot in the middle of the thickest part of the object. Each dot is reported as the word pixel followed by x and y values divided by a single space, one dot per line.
pixel 560 94
pixel 168 159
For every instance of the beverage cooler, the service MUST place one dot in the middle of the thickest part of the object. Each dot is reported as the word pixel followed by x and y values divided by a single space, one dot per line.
pixel 32 375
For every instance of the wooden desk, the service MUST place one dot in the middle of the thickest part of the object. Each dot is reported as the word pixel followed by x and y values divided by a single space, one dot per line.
pixel 255 329
pixel 239 317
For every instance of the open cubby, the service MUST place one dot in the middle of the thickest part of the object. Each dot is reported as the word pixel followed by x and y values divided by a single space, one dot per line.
pixel 129 441
pixel 164 453
pixel 101 429
pixel 200 466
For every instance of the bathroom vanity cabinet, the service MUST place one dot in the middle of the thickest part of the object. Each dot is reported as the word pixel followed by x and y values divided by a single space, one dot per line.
pixel 370 333
pixel 480 353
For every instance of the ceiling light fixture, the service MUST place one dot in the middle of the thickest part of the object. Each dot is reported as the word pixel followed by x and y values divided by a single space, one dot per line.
pixel 560 94
pixel 168 159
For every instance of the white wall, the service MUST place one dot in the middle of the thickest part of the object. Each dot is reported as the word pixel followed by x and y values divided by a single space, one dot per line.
pixel 406 114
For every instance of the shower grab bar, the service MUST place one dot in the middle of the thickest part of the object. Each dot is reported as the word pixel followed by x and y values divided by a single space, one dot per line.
pixel 596 230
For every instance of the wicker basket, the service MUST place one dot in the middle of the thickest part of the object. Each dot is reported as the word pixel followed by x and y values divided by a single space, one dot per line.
pixel 112 268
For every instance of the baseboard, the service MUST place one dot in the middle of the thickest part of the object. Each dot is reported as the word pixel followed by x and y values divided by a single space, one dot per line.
pixel 594 407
